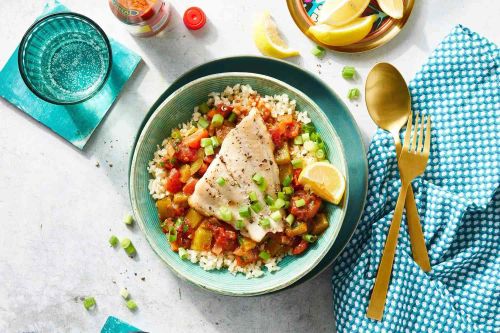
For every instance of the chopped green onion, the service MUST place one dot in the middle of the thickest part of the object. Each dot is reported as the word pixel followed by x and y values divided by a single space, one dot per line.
pixel 131 305
pixel 240 224
pixel 176 134
pixel 172 235
pixel 320 154
pixel 282 195
pixel 245 211
pixel 290 219
pixel 306 137
pixel 113 240
pixel 298 140
pixel 183 253
pixel 215 141
pixel 348 72
pixel 264 255
pixel 287 204
pixel 217 120
pixel 256 207
pixel 311 146
pixel 310 238
pixel 265 223
pixel 276 216
pixel 203 108
pixel 308 128
pixel 297 163
pixel 288 180
pixel 209 150
pixel 124 293
pixel 185 228
pixel 321 145
pixel 253 196
pixel 128 219
pixel 225 214
pixel 232 117
pixel 314 136
pixel 258 178
pixel 263 186
pixel 205 142
pixel 318 51
pixel 288 190
pixel 128 247
pixel 88 303
pixel 279 203
pixel 269 200
pixel 353 93
pixel 300 203
pixel 203 123
pixel 221 181
pixel 178 222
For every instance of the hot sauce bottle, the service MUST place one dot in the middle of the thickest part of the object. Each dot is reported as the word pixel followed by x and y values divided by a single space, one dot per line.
pixel 142 18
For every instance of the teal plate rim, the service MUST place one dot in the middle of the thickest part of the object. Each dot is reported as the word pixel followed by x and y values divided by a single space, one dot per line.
pixel 342 120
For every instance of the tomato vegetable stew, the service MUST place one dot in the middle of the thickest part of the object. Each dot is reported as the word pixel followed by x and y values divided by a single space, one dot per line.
pixel 227 184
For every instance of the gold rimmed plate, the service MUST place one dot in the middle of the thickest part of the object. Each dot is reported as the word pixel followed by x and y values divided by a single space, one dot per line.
pixel 305 14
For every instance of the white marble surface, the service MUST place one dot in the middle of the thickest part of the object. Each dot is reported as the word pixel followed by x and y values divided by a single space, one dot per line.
pixel 57 209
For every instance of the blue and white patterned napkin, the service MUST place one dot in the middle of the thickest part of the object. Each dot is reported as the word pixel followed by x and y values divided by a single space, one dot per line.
pixel 458 199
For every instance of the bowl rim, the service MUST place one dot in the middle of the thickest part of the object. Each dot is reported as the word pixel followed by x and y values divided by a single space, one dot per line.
pixel 133 195
pixel 22 46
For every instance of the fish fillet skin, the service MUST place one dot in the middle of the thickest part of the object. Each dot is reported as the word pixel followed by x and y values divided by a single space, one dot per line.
pixel 247 149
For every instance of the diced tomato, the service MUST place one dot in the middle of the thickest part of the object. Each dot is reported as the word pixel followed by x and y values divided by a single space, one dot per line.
pixel 174 183
pixel 309 210
pixel 212 113
pixel 225 236
pixel 186 154
pixel 194 140
pixel 303 245
pixel 224 110
pixel 266 114
pixel 286 128
pixel 203 169
pixel 168 163
pixel 295 180
pixel 208 159
pixel 247 257
pixel 189 187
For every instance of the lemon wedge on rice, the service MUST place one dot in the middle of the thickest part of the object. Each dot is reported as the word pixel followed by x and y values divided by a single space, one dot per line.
pixel 345 35
pixel 268 40
pixel 325 180
pixel 341 12
pixel 393 8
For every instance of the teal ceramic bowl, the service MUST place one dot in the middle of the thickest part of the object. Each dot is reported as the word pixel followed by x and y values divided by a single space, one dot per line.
pixel 177 109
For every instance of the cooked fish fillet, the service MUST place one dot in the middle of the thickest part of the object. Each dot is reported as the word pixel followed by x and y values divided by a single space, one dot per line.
pixel 246 150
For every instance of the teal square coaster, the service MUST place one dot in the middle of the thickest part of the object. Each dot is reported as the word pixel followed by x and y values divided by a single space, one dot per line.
pixel 115 325
pixel 77 122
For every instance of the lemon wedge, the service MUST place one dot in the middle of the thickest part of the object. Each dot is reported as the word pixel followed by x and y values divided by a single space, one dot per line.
pixel 393 8
pixel 348 34
pixel 325 180
pixel 268 40
pixel 341 12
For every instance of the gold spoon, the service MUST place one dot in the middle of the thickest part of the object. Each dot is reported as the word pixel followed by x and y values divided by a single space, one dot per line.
pixel 389 105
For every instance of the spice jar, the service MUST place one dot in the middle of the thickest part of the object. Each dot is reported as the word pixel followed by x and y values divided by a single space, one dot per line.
pixel 142 18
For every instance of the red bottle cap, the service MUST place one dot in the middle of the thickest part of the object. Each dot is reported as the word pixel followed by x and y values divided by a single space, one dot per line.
pixel 194 18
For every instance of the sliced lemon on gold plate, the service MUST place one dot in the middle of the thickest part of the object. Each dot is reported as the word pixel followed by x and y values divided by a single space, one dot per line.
pixel 346 34
pixel 268 40
pixel 325 180
pixel 341 12
pixel 393 8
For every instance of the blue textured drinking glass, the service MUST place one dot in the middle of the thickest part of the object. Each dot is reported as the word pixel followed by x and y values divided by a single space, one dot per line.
pixel 65 58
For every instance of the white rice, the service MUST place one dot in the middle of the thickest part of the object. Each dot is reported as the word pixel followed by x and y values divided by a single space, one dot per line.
pixel 241 97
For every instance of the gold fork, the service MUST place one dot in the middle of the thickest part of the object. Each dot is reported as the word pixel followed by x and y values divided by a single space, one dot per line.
pixel 412 163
